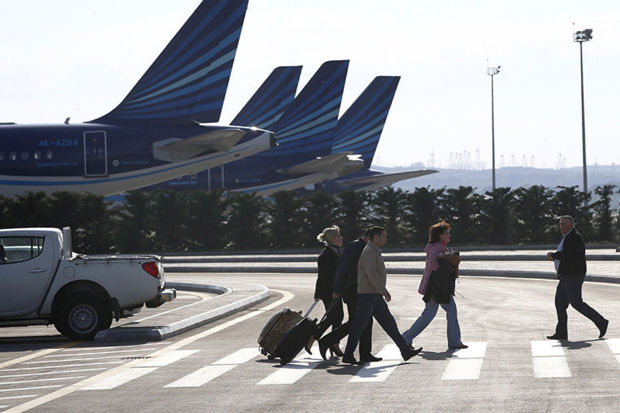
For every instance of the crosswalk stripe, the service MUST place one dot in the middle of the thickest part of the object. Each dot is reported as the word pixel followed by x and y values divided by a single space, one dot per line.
pixel 466 363
pixel 548 359
pixel 379 370
pixel 119 379
pixel 614 344
pixel 208 373
pixel 138 370
pixel 295 370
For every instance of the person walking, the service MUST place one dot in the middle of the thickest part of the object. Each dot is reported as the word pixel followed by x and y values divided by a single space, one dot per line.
pixel 345 286
pixel 570 265
pixel 371 292
pixel 328 262
pixel 436 250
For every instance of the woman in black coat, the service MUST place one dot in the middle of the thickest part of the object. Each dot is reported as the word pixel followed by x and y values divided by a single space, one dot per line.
pixel 328 262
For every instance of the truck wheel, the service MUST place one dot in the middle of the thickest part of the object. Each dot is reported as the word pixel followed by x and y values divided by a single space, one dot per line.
pixel 80 318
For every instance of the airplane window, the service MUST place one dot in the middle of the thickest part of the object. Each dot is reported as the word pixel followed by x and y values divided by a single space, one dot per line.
pixel 25 156
pixel 49 155
pixel 37 155
pixel 12 156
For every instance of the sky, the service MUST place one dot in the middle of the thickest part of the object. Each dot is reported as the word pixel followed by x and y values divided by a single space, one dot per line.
pixel 78 59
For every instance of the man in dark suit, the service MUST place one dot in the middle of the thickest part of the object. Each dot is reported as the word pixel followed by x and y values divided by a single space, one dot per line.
pixel 570 262
pixel 345 286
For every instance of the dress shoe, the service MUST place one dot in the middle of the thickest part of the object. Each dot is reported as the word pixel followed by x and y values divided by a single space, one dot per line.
pixel 335 349
pixel 410 352
pixel 350 360
pixel 460 346
pixel 323 347
pixel 309 344
pixel 603 329
pixel 557 336
pixel 367 358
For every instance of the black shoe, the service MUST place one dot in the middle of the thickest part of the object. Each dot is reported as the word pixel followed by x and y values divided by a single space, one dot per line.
pixel 557 336
pixel 410 352
pixel 460 346
pixel 367 358
pixel 350 360
pixel 603 329
pixel 323 347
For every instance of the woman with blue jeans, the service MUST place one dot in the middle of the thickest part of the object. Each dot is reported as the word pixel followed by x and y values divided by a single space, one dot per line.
pixel 439 237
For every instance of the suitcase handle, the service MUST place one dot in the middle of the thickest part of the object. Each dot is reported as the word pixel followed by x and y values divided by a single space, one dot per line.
pixel 310 309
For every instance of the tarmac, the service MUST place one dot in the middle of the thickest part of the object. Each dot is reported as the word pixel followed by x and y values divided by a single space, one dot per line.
pixel 199 304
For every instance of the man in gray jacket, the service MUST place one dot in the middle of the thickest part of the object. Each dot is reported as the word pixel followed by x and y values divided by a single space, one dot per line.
pixel 371 291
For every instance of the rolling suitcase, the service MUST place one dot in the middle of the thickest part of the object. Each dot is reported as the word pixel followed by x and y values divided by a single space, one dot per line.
pixel 296 338
pixel 276 327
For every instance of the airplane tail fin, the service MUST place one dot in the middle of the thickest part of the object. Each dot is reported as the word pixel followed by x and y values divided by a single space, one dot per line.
pixel 307 126
pixel 359 129
pixel 271 99
pixel 188 81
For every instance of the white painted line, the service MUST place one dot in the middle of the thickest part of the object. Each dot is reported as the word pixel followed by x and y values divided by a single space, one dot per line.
pixel 202 376
pixel 547 367
pixel 466 363
pixel 295 370
pixel 174 346
pixel 208 373
pixel 476 350
pixel 168 358
pixel 3 407
pixel 50 372
pixel 101 352
pixel 379 370
pixel 239 357
pixel 618 357
pixel 66 365
pixel 166 312
pixel 33 388
pixel 120 378
pixel 34 355
pixel 39 380
pixel 463 369
pixel 83 348
pixel 547 348
pixel 66 360
pixel 614 344
pixel 24 396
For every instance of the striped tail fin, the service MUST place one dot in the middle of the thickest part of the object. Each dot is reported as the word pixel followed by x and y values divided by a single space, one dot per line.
pixel 270 101
pixel 188 81
pixel 307 126
pixel 359 129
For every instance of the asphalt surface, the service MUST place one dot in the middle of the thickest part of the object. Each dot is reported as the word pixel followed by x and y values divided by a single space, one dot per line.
pixel 217 367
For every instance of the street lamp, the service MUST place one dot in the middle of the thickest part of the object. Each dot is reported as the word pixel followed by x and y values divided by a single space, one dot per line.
pixel 581 37
pixel 492 71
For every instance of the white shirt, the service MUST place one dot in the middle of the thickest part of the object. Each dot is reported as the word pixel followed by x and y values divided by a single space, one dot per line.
pixel 560 248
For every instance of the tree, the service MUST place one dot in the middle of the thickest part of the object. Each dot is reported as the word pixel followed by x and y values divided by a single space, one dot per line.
pixel 320 213
pixel 422 209
pixel 205 219
pixel 460 210
pixel 497 216
pixel 168 219
pixel 245 228
pixel 569 200
pixel 286 222
pixel 534 220
pixel 388 205
pixel 353 214
pixel 93 225
pixel 30 210
pixel 603 219
pixel 130 223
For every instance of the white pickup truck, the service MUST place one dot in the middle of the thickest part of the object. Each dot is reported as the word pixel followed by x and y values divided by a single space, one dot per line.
pixel 43 281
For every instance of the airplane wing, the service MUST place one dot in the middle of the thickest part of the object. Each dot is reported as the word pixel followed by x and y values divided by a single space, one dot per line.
pixel 177 149
pixel 369 183
pixel 325 164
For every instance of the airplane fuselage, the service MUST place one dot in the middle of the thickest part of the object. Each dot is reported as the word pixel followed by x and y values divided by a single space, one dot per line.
pixel 105 159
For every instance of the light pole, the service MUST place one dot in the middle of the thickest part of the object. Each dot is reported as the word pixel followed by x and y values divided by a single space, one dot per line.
pixel 581 37
pixel 492 71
